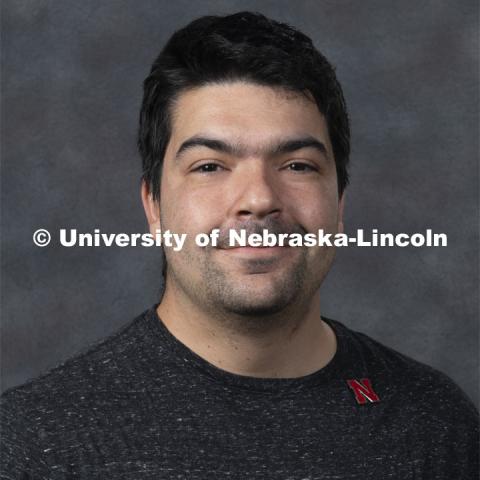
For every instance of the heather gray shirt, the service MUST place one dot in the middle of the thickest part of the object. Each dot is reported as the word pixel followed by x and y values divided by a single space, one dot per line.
pixel 141 405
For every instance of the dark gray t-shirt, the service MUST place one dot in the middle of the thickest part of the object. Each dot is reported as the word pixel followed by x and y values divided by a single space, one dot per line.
pixel 141 405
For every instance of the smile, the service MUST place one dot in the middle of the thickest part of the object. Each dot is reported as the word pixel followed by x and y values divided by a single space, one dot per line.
pixel 256 251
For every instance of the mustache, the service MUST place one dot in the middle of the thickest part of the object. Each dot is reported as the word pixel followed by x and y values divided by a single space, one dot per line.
pixel 273 226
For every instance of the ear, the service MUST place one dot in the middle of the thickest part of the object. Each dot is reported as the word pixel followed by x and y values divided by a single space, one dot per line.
pixel 341 206
pixel 152 209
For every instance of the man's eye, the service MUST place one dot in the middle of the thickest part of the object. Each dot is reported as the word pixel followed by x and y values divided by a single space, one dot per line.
pixel 207 168
pixel 301 167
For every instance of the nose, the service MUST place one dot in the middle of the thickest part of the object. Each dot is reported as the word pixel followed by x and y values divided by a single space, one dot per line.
pixel 258 192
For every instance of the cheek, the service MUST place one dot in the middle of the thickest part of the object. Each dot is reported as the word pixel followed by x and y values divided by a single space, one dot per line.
pixel 316 209
pixel 188 211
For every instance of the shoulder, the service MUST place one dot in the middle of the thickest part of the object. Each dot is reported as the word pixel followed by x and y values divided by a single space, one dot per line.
pixel 71 384
pixel 416 387
pixel 422 407
pixel 66 401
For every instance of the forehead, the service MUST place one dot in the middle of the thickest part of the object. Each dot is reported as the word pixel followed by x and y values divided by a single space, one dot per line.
pixel 246 112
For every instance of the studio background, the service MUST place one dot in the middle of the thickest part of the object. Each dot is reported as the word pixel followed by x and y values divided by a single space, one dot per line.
pixel 72 77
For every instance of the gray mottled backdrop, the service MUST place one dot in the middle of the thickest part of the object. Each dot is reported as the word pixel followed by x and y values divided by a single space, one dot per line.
pixel 71 89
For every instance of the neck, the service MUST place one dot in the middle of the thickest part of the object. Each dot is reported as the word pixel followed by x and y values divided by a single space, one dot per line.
pixel 301 343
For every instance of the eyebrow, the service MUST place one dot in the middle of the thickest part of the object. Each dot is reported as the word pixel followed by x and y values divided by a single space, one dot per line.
pixel 235 149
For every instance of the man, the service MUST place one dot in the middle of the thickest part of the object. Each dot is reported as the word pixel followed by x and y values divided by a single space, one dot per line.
pixel 235 374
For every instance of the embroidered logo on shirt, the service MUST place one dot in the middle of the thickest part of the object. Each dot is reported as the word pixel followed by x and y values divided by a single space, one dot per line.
pixel 363 390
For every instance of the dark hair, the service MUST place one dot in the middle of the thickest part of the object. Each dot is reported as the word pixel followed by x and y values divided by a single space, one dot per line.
pixel 244 46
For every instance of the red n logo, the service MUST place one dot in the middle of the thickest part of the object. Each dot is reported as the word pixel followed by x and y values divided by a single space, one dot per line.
pixel 363 391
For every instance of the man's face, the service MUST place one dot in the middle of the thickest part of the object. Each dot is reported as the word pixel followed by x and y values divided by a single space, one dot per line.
pixel 247 156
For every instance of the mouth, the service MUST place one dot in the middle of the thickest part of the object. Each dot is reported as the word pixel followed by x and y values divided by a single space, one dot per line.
pixel 256 251
pixel 252 248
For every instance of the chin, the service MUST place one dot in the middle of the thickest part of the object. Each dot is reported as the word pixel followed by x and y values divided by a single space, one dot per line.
pixel 255 318
pixel 255 310
pixel 256 296
pixel 256 304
